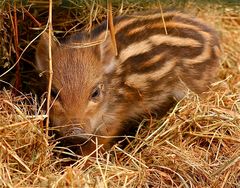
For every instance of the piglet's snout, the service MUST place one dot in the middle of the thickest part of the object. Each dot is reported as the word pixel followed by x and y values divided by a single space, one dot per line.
pixel 75 135
pixel 75 132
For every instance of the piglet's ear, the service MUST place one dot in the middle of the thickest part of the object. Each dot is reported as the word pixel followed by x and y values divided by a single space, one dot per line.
pixel 107 55
pixel 42 56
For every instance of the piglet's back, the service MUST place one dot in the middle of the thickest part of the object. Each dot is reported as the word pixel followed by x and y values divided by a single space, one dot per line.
pixel 160 56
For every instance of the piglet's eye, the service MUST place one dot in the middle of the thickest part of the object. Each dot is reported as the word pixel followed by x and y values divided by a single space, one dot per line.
pixel 96 93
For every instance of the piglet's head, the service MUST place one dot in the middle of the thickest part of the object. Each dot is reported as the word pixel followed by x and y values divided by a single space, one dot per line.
pixel 78 88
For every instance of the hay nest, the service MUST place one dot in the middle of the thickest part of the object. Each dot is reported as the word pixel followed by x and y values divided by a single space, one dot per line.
pixel 197 144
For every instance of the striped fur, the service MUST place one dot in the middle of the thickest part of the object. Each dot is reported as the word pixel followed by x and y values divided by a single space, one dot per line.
pixel 159 58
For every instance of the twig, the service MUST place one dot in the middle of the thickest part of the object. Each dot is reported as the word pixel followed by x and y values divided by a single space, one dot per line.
pixel 15 31
pixel 111 27
pixel 50 63
pixel 32 17
pixel 164 23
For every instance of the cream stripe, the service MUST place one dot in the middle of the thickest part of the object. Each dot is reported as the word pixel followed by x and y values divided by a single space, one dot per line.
pixel 139 80
pixel 124 23
pixel 118 26
pixel 174 41
pixel 154 16
pixel 135 49
pixel 153 60
pixel 160 25
pixel 146 45
pixel 206 52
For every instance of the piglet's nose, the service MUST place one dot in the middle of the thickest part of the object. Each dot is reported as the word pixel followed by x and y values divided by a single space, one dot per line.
pixel 75 135
pixel 74 131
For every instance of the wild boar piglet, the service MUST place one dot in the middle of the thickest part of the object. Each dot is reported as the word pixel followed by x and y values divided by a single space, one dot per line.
pixel 160 57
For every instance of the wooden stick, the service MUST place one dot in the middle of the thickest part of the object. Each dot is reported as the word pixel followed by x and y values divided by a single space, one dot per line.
pixel 50 64
pixel 32 17
pixel 111 27
pixel 16 43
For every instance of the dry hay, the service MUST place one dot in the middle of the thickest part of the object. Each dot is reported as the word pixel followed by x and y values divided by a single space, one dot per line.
pixel 196 145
